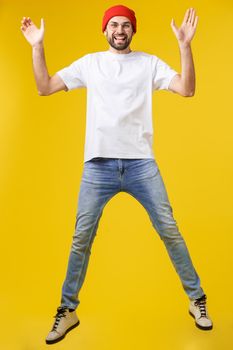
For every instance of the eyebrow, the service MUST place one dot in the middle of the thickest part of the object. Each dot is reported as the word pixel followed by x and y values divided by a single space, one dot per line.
pixel 128 22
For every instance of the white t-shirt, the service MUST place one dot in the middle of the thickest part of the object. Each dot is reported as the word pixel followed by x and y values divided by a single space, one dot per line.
pixel 119 101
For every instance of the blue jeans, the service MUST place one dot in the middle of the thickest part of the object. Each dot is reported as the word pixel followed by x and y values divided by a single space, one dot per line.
pixel 103 178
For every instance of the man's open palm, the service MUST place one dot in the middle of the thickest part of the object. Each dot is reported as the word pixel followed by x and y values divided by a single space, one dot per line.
pixel 33 34
pixel 185 33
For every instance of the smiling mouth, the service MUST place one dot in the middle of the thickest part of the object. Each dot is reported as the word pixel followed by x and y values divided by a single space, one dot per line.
pixel 121 39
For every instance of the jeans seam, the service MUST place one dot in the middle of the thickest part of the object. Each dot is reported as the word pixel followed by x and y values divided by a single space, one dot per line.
pixel 91 236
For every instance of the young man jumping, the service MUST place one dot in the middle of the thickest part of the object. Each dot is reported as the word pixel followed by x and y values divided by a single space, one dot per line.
pixel 118 153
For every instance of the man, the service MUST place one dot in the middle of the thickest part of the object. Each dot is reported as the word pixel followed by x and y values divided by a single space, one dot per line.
pixel 118 147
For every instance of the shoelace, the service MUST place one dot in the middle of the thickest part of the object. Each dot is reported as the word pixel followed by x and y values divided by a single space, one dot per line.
pixel 201 305
pixel 60 313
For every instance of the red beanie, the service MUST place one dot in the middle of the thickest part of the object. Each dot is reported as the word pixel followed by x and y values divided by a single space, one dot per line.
pixel 119 10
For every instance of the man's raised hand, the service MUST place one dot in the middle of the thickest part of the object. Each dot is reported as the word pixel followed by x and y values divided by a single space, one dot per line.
pixel 185 33
pixel 33 34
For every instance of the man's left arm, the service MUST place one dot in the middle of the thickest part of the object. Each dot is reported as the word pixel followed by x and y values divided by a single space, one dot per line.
pixel 184 83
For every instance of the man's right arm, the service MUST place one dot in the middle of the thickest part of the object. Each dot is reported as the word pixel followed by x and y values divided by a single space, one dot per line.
pixel 46 85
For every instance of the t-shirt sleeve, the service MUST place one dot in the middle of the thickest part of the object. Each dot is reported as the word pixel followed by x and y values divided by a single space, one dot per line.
pixel 74 76
pixel 162 74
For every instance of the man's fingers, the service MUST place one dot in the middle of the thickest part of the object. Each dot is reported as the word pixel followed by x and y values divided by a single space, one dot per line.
pixel 26 21
pixel 195 22
pixel 23 21
pixel 174 27
pixel 42 24
pixel 23 24
pixel 186 16
pixel 173 24
pixel 192 17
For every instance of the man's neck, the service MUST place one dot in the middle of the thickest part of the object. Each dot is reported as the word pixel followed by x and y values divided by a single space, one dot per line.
pixel 127 50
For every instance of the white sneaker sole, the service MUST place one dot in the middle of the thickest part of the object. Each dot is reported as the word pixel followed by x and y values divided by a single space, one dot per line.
pixel 63 336
pixel 208 328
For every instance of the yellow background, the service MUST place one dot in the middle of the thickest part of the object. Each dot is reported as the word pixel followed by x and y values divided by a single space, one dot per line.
pixel 132 297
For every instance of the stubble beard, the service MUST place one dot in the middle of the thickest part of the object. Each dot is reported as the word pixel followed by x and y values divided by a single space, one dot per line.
pixel 120 45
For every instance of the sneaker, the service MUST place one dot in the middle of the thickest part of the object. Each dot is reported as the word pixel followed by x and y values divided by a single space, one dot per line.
pixel 198 310
pixel 65 320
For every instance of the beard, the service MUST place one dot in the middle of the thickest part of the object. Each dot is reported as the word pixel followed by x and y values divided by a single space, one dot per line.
pixel 119 44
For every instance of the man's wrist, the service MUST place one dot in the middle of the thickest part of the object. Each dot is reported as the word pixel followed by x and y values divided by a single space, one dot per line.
pixel 38 46
pixel 185 49
pixel 186 46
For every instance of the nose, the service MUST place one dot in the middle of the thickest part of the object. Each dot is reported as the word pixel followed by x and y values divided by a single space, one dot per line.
pixel 120 29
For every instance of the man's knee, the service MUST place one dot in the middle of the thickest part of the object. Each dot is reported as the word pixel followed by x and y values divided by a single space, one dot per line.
pixel 81 241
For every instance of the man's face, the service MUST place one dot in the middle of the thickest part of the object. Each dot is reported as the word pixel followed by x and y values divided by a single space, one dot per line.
pixel 119 32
